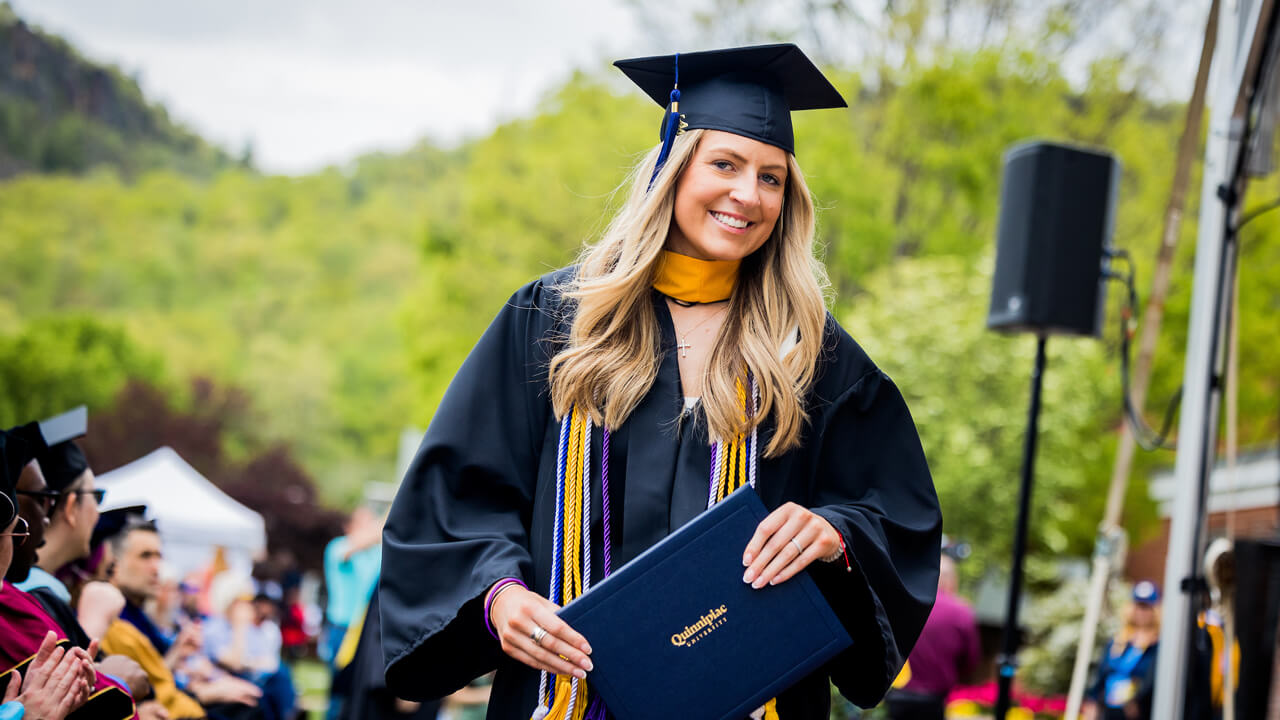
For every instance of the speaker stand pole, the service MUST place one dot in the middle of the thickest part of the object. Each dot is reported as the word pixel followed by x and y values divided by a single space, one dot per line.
pixel 1007 662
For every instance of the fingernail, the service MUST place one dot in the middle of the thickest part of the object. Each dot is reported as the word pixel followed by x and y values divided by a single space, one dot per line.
pixel 580 674
pixel 748 576
pixel 758 584
pixel 586 648
pixel 588 665
pixel 746 560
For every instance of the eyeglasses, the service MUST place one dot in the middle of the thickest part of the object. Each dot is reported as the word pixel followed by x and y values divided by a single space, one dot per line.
pixel 97 493
pixel 21 531
pixel 48 498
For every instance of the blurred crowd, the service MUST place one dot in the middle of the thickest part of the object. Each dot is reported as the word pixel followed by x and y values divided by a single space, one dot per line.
pixel 94 623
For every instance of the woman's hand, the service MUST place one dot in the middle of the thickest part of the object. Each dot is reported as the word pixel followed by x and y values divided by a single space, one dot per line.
pixel 54 685
pixel 785 543
pixel 517 614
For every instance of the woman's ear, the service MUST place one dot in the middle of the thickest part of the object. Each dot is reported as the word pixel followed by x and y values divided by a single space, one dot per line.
pixel 68 507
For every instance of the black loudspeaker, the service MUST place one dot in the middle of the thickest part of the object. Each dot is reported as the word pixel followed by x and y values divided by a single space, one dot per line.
pixel 1057 210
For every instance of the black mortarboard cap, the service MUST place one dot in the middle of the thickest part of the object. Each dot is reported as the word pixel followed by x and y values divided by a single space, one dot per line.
pixel 62 464
pixel 18 446
pixel 69 425
pixel 24 443
pixel 15 453
pixel 111 522
pixel 747 91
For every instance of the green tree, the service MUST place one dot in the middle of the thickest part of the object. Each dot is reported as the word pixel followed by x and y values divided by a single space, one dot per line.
pixel 63 361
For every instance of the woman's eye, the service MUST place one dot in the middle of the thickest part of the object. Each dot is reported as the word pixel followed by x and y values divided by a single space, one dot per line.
pixel 722 164
pixel 771 179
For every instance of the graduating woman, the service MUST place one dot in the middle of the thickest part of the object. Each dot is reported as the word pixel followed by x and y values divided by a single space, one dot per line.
pixel 686 354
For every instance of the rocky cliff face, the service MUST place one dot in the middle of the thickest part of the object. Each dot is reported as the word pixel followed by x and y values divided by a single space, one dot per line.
pixel 62 113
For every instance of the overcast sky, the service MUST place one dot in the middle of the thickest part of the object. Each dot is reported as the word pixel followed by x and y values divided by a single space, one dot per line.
pixel 317 82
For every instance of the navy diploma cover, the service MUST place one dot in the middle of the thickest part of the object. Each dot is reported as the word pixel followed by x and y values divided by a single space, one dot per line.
pixel 675 633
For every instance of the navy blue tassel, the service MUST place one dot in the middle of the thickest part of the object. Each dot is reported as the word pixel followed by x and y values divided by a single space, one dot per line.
pixel 671 127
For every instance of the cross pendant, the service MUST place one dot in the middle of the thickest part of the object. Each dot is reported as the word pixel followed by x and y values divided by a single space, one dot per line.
pixel 683 347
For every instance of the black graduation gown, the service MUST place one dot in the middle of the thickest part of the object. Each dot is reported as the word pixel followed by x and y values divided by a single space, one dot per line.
pixel 477 505
pixel 63 615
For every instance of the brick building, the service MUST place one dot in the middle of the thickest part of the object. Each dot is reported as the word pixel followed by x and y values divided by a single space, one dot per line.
pixel 1250 496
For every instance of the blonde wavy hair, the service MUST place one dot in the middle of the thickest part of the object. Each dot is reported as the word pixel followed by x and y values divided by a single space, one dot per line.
pixel 613 349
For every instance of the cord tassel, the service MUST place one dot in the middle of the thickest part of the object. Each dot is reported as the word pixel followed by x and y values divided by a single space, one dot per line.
pixel 672 125
pixel 597 709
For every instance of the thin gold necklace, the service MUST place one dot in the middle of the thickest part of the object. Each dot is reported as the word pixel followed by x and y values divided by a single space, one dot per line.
pixel 683 346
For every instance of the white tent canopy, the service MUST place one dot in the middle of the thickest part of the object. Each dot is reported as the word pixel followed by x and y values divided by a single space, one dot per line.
pixel 193 515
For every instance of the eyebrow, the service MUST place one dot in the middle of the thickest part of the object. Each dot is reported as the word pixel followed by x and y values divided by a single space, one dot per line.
pixel 740 158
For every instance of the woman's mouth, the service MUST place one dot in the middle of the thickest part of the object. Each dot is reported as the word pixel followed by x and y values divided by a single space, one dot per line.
pixel 731 222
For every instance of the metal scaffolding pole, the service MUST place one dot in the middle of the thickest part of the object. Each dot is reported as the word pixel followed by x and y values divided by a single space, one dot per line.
pixel 1194 433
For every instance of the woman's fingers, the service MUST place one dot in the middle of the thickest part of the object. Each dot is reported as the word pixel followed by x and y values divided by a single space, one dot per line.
pixel 47 646
pixel 11 690
pixel 561 640
pixel 517 641
pixel 542 660
pixel 786 565
pixel 559 648
pixel 549 621
pixel 41 676
pixel 66 681
pixel 764 531
pixel 786 542
pixel 778 543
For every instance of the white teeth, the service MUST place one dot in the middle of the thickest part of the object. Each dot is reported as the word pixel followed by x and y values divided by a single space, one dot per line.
pixel 730 221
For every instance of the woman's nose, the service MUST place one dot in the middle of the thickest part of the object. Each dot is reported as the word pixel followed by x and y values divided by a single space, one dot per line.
pixel 744 191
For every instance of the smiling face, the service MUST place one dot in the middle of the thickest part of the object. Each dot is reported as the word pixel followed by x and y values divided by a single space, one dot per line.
pixel 728 198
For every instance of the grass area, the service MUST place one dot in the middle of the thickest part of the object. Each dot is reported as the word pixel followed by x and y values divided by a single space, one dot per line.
pixel 311 679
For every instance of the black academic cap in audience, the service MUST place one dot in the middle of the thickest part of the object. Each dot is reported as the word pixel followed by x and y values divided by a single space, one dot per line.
pixel 62 464
pixel 111 522
pixel 15 453
pixel 24 443
pixel 19 446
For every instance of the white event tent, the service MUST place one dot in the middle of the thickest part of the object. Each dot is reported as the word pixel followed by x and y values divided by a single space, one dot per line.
pixel 193 515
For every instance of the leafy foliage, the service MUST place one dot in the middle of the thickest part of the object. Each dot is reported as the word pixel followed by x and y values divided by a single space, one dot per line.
pixel 342 302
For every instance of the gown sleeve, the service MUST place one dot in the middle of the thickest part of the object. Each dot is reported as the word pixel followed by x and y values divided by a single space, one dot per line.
pixel 873 485
pixel 460 520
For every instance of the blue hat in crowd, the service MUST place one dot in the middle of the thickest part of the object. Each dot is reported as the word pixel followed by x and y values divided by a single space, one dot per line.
pixel 1146 592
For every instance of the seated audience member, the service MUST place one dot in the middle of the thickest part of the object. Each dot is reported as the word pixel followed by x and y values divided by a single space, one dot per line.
pixel 243 640
pixel 293 623
pixel 136 574
pixel 165 609
pixel 97 565
pixel 71 502
pixel 946 653
pixel 41 674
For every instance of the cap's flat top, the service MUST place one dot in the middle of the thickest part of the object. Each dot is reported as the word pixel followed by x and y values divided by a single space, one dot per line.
pixel 68 426
pixel 783 65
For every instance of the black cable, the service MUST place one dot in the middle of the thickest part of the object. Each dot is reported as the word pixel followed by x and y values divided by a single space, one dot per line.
pixel 1147 439
pixel 1255 213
